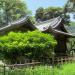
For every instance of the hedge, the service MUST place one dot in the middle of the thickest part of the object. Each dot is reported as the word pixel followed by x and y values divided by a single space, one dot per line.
pixel 32 45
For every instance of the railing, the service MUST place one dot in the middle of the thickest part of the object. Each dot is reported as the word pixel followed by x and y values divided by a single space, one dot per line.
pixel 15 69
pixel 64 59
pixel 7 69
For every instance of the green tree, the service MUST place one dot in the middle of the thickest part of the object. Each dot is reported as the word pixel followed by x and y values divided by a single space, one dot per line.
pixel 13 9
pixel 54 11
pixel 51 12
pixel 70 6
pixel 40 14
pixel 26 45
pixel 48 13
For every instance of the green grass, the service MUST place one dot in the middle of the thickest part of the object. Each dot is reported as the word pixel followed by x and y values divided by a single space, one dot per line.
pixel 38 70
pixel 72 23
pixel 66 69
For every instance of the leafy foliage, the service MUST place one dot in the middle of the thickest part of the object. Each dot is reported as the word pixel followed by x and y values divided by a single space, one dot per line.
pixel 72 23
pixel 33 44
pixel 39 14
pixel 51 12
pixel 70 6
pixel 12 10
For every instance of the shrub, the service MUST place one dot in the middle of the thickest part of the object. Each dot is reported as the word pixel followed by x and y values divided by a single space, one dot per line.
pixel 33 44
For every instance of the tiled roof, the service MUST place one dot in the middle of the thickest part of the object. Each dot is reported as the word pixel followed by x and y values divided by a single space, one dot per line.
pixel 42 26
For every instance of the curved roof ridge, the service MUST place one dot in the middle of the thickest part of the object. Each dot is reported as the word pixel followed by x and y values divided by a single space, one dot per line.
pixel 19 20
pixel 64 33
pixel 50 20
pixel 14 23
pixel 44 26
pixel 58 22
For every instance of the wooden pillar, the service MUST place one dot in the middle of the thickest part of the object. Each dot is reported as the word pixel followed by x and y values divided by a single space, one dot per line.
pixel 61 47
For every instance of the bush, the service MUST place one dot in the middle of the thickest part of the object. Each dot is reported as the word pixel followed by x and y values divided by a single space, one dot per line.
pixel 33 44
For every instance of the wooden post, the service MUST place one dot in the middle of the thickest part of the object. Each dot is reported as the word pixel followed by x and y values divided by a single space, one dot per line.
pixel 4 69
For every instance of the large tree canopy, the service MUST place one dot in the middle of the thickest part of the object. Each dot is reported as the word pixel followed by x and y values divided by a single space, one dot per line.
pixel 48 13
pixel 51 12
pixel 11 10
pixel 70 6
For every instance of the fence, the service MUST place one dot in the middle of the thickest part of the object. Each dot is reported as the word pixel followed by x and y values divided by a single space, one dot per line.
pixel 15 69
pixel 64 59
pixel 35 68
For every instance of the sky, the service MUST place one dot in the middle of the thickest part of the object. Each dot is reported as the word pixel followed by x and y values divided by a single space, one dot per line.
pixel 34 4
